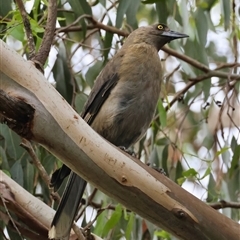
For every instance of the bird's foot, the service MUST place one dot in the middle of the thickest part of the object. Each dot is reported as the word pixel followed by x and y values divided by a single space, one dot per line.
pixel 128 151
pixel 160 170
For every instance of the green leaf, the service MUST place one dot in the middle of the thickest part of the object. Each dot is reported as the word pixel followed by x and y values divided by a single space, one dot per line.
pixel 36 27
pixel 190 173
pixel 62 75
pixel 114 219
pixel 226 12
pixel 17 172
pixel 209 22
pixel 233 185
pixel 235 163
pixel 80 7
pixel 212 194
pixel 165 159
pixel 162 141
pixel 49 162
pixel 130 226
pixel 80 100
pixel 207 172
pixel 163 234
pixel 202 27
pixel 28 171
pixel 185 15
pixel 234 143
pixel 181 180
pixel 224 149
pixel 17 32
pixel 153 158
pixel 11 143
pixel 98 230
pixel 178 175
pixel 175 11
pixel 93 72
pixel 151 1
pixel 206 4
pixel 121 11
pixel 3 159
pixel 162 11
pixel 162 114
pixel 208 141
pixel 132 12
pixel 107 44
pixel 103 2
pixel 13 234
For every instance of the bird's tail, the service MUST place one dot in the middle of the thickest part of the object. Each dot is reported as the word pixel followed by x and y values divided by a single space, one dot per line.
pixel 66 211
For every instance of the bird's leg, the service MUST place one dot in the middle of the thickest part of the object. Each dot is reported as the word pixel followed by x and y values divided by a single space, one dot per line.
pixel 128 151
pixel 133 154
pixel 160 170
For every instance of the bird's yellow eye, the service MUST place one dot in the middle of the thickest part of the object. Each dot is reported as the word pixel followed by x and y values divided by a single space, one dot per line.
pixel 160 27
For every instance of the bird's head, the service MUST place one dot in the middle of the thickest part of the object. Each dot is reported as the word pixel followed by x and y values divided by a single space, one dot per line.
pixel 157 35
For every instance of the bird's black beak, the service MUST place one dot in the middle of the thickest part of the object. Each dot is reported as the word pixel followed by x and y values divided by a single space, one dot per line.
pixel 173 34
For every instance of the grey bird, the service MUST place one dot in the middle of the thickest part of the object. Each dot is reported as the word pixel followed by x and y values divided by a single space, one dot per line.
pixel 126 90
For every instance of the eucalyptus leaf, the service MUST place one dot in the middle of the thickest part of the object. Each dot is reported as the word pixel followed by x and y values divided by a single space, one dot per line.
pixel 17 172
pixel 121 11
pixel 62 75
pixel 113 220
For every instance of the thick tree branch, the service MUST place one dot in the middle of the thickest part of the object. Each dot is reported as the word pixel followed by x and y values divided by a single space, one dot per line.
pixel 16 113
pixel 129 181
pixel 28 209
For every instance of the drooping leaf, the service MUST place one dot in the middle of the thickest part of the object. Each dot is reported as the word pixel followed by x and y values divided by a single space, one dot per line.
pixel 62 75
pixel 165 159
pixel 212 194
pixel 162 12
pixel 113 220
pixel 93 72
pixel 132 12
pixel 226 12
pixel 235 163
pixel 190 173
pixel 202 26
pixel 80 100
pixel 121 11
pixel 162 114
pixel 128 232
pixel 17 172
pixel 151 1
pixel 28 173
pixel 107 43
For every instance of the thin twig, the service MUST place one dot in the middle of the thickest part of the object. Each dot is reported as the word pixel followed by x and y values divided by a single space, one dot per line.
pixel 27 26
pixel 224 204
pixel 78 232
pixel 28 147
pixel 10 217
pixel 234 37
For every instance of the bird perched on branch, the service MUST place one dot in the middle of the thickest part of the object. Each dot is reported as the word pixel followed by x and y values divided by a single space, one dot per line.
pixel 120 108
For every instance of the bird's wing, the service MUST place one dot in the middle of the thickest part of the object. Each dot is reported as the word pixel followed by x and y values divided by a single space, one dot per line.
pixel 100 92
pixel 98 96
